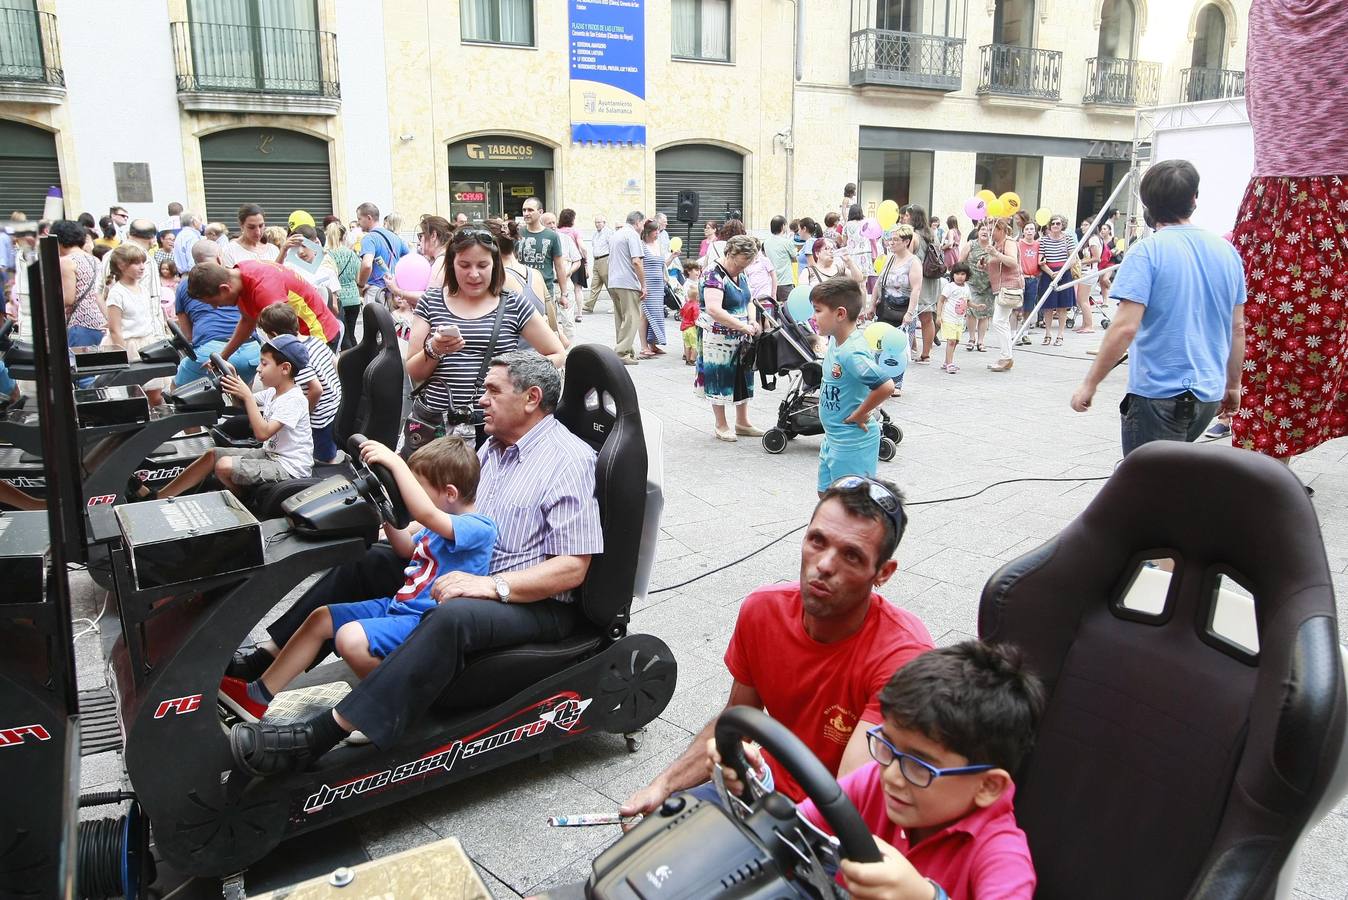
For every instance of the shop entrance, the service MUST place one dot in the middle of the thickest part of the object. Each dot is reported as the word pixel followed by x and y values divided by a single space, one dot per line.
pixel 490 177
pixel 1098 178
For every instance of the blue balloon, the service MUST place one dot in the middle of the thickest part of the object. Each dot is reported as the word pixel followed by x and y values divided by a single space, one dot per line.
pixel 892 357
pixel 798 304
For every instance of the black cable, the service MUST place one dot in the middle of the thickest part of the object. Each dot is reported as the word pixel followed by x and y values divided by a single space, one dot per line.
pixel 100 853
pixel 782 537
pixel 103 798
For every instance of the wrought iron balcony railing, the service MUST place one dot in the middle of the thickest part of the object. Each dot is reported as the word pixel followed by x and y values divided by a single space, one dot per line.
pixel 1014 71
pixel 1122 82
pixel 255 59
pixel 905 59
pixel 1211 84
pixel 29 51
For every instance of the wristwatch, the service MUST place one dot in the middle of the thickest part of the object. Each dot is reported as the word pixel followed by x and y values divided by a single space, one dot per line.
pixel 502 589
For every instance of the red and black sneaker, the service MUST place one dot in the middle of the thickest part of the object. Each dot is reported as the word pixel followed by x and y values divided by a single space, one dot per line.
pixel 234 695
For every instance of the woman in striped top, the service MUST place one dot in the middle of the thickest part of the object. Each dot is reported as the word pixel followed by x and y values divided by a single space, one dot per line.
pixel 447 365
pixel 1055 248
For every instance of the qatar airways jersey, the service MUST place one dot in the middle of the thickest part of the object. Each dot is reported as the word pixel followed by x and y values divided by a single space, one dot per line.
pixel 434 555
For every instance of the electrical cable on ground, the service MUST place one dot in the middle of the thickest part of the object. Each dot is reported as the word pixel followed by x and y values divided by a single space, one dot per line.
pixel 908 505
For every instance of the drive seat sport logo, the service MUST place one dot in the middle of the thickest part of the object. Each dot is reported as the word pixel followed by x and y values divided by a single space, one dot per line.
pixel 562 711
pixel 13 737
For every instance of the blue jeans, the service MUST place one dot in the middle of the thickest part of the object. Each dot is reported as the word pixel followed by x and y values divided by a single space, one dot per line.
pixel 79 336
pixel 325 448
pixel 1146 419
pixel 244 359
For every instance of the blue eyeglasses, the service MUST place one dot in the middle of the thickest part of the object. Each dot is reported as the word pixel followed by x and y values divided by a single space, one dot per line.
pixel 918 773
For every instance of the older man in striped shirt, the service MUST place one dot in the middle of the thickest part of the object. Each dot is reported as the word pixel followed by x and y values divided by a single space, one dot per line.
pixel 537 484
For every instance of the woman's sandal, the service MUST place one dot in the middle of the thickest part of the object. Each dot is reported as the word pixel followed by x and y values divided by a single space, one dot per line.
pixel 1047 340
pixel 982 349
pixel 1057 342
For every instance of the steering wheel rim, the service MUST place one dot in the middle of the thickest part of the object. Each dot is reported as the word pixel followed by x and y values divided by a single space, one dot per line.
pixel 6 332
pixel 392 509
pixel 740 722
pixel 179 339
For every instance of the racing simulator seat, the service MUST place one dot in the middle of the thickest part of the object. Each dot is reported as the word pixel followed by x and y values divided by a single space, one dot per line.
pixel 183 612
pixel 1181 754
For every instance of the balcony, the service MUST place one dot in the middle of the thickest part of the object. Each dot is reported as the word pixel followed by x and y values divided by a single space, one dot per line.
pixel 256 69
pixel 1124 83
pixel 1020 74
pixel 30 58
pixel 1211 84
pixel 906 60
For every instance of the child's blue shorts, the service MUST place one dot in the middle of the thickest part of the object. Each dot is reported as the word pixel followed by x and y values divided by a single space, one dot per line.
pixel 386 624
pixel 835 462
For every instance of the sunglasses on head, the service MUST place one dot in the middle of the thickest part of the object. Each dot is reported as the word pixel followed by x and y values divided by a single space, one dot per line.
pixel 477 233
pixel 880 495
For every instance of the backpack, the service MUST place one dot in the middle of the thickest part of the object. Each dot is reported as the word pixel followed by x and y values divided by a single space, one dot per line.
pixel 933 266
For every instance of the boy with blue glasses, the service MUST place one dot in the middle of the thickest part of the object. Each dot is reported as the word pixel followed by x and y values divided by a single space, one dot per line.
pixel 938 798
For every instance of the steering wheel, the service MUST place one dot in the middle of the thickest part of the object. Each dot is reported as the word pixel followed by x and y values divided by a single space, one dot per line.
pixel 180 340
pixel 377 484
pixel 740 722
pixel 6 333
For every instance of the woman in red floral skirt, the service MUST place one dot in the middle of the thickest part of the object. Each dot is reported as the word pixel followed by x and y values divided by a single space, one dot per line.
pixel 1292 232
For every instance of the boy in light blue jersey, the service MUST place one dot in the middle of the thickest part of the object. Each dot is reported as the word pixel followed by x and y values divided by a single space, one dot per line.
pixel 853 387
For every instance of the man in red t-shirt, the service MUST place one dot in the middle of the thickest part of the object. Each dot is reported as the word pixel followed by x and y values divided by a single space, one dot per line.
pixel 815 654
pixel 254 285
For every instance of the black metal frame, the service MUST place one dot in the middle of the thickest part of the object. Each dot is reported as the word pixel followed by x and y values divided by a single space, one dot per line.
pixel 906 59
pixel 43 29
pixel 1111 81
pixel 264 44
pixel 1198 83
pixel 37 666
pixel 1014 71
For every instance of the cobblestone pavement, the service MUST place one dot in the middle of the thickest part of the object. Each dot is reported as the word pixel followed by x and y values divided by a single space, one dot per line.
pixel 961 433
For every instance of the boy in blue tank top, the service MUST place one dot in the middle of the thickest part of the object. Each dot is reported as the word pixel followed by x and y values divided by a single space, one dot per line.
pixel 853 387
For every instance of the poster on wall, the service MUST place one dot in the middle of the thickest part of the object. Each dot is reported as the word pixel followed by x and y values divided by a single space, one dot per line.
pixel 608 76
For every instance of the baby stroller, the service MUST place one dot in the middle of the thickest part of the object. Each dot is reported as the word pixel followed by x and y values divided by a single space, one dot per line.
pixel 785 349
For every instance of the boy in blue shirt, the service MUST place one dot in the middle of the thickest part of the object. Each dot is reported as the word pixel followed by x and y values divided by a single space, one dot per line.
pixel 439 485
pixel 852 385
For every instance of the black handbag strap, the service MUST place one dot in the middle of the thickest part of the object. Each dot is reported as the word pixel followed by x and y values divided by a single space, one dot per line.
pixel 486 359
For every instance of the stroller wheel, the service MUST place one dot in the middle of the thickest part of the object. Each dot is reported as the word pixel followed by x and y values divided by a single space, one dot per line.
pixel 891 431
pixel 1104 321
pixel 888 449
pixel 774 440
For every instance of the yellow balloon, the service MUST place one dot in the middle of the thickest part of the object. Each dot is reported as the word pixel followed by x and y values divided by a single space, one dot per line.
pixel 986 196
pixel 1012 200
pixel 887 204
pixel 997 208
pixel 675 244
pixel 880 264
pixel 875 333
pixel 1042 215
pixel 887 218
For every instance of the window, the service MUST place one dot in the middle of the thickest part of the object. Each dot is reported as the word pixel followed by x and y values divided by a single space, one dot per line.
pixel 701 29
pixel 1117 26
pixel 256 45
pixel 1210 39
pixel 903 176
pixel 497 21
pixel 1000 173
pixel 915 16
pixel 1013 23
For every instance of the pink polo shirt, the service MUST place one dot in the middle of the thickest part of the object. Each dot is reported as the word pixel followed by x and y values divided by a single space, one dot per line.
pixel 983 856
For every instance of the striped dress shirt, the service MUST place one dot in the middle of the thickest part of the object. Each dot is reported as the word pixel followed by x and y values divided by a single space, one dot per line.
pixel 540 493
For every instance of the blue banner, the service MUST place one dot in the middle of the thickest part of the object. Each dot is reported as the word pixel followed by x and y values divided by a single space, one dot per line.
pixel 608 71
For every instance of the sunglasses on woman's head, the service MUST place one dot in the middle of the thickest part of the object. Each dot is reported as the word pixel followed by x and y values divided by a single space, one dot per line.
pixel 477 233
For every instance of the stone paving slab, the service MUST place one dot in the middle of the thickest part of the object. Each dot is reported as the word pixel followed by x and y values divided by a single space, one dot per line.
pixel 961 433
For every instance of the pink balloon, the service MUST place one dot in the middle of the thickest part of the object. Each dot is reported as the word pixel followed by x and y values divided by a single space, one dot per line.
pixel 412 273
pixel 976 209
pixel 870 229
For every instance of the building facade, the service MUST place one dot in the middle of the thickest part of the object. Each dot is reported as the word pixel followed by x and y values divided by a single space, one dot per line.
pixel 757 106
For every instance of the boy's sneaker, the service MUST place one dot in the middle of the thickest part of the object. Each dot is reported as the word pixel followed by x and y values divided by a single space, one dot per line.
pixel 249 665
pixel 234 695
pixel 1217 429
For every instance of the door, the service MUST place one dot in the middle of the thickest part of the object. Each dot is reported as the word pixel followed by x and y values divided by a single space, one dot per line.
pixel 279 170
pixel 717 174
pixel 28 167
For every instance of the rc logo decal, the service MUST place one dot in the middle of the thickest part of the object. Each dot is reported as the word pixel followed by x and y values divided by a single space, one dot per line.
pixel 178 706
pixel 12 737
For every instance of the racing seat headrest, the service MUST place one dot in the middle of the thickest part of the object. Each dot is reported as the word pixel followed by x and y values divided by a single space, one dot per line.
pixel 372 376
pixel 599 405
pixel 1171 760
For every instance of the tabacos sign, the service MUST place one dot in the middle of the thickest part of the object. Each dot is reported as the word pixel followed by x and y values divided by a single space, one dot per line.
pixel 511 151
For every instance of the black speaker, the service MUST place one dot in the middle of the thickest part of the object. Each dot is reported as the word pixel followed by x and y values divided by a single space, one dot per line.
pixel 688 206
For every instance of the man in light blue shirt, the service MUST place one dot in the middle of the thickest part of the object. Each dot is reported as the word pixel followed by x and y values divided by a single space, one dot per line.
pixel 1181 318
pixel 188 234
